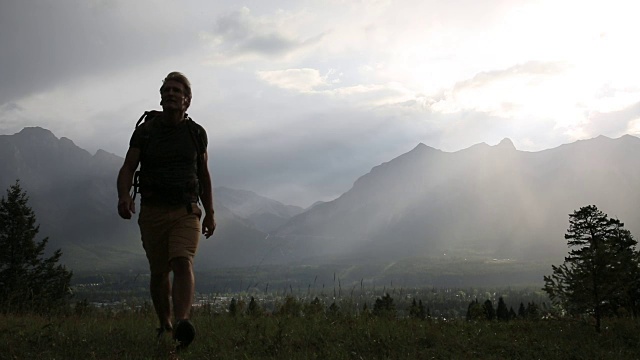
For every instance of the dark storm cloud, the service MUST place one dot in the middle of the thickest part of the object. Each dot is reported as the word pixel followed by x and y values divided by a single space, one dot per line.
pixel 47 43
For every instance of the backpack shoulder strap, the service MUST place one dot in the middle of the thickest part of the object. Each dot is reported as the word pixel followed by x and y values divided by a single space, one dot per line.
pixel 148 115
pixel 195 131
pixel 196 135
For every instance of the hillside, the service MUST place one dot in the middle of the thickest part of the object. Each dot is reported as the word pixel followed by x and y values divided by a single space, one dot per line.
pixel 490 201
pixel 74 196
pixel 483 202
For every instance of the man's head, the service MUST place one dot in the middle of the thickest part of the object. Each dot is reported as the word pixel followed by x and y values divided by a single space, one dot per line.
pixel 175 92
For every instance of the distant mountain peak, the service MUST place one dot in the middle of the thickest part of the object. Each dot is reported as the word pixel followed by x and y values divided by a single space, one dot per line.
pixel 421 147
pixel 506 143
pixel 36 131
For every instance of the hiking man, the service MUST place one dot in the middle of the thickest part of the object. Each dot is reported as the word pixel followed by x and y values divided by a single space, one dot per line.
pixel 171 151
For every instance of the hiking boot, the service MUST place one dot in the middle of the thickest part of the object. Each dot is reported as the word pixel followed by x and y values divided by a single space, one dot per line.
pixel 184 333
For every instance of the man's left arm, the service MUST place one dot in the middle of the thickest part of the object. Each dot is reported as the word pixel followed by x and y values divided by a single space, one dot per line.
pixel 204 177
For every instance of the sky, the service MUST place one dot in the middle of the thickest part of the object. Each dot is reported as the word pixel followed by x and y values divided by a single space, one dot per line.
pixel 300 97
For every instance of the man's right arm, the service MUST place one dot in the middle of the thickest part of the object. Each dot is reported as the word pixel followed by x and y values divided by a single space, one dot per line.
pixel 126 204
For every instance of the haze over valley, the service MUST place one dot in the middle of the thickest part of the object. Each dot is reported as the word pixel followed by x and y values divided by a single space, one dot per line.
pixel 420 212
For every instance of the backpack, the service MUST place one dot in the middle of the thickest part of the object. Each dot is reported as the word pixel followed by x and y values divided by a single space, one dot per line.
pixel 196 136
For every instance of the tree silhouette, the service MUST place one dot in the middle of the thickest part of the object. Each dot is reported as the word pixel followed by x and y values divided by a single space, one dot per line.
pixel 29 282
pixel 475 311
pixel 601 274
pixel 522 312
pixel 254 309
pixel 417 310
pixel 489 311
pixel 502 313
pixel 384 306
pixel 233 307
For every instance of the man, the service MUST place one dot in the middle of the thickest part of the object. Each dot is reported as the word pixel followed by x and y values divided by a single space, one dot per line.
pixel 171 151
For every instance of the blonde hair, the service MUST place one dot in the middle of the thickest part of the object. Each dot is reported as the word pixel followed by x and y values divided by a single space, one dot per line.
pixel 181 78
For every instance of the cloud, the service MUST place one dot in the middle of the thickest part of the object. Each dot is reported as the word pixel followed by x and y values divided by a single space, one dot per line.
pixel 613 124
pixel 48 43
pixel 13 118
pixel 301 80
pixel 239 36
pixel 305 96
pixel 527 71
pixel 310 81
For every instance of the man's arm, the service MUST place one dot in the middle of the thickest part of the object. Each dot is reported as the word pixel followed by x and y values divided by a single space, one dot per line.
pixel 204 177
pixel 126 205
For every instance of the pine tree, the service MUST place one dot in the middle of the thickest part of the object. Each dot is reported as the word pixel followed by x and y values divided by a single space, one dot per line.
pixel 522 312
pixel 413 310
pixel 233 307
pixel 422 314
pixel 384 306
pixel 601 274
pixel 417 310
pixel 502 313
pixel 489 311
pixel 475 311
pixel 29 282
pixel 254 309
pixel 533 312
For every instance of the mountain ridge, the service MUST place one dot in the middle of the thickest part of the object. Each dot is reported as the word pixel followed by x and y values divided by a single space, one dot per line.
pixel 491 201
pixel 435 201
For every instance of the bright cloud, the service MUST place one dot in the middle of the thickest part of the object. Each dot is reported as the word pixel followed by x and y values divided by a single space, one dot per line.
pixel 312 94
pixel 302 80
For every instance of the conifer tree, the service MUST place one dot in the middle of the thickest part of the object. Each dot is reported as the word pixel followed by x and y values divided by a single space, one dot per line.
pixel 489 311
pixel 29 281
pixel 417 310
pixel 522 312
pixel 422 314
pixel 413 310
pixel 233 307
pixel 532 311
pixel 254 309
pixel 502 313
pixel 475 311
pixel 384 306
pixel 601 272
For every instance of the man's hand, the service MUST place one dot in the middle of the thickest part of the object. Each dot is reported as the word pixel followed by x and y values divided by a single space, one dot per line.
pixel 126 207
pixel 208 225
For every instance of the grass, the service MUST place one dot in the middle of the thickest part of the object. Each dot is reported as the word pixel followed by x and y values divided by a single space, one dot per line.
pixel 131 335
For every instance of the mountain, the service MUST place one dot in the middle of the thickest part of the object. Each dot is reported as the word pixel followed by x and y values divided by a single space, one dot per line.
pixel 483 202
pixel 74 196
pixel 489 201
pixel 264 213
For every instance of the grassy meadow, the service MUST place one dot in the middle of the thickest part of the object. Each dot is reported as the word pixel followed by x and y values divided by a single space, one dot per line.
pixel 130 334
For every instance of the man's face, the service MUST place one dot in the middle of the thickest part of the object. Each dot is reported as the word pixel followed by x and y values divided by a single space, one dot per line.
pixel 173 96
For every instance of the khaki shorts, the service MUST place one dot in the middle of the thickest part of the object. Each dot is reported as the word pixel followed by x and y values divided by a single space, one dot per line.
pixel 169 232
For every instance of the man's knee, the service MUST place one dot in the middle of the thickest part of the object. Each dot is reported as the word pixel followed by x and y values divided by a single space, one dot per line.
pixel 181 265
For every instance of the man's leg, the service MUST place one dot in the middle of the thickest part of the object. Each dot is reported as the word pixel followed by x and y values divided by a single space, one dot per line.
pixel 183 287
pixel 160 287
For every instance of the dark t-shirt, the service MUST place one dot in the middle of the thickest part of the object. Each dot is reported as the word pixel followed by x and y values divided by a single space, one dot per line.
pixel 168 160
